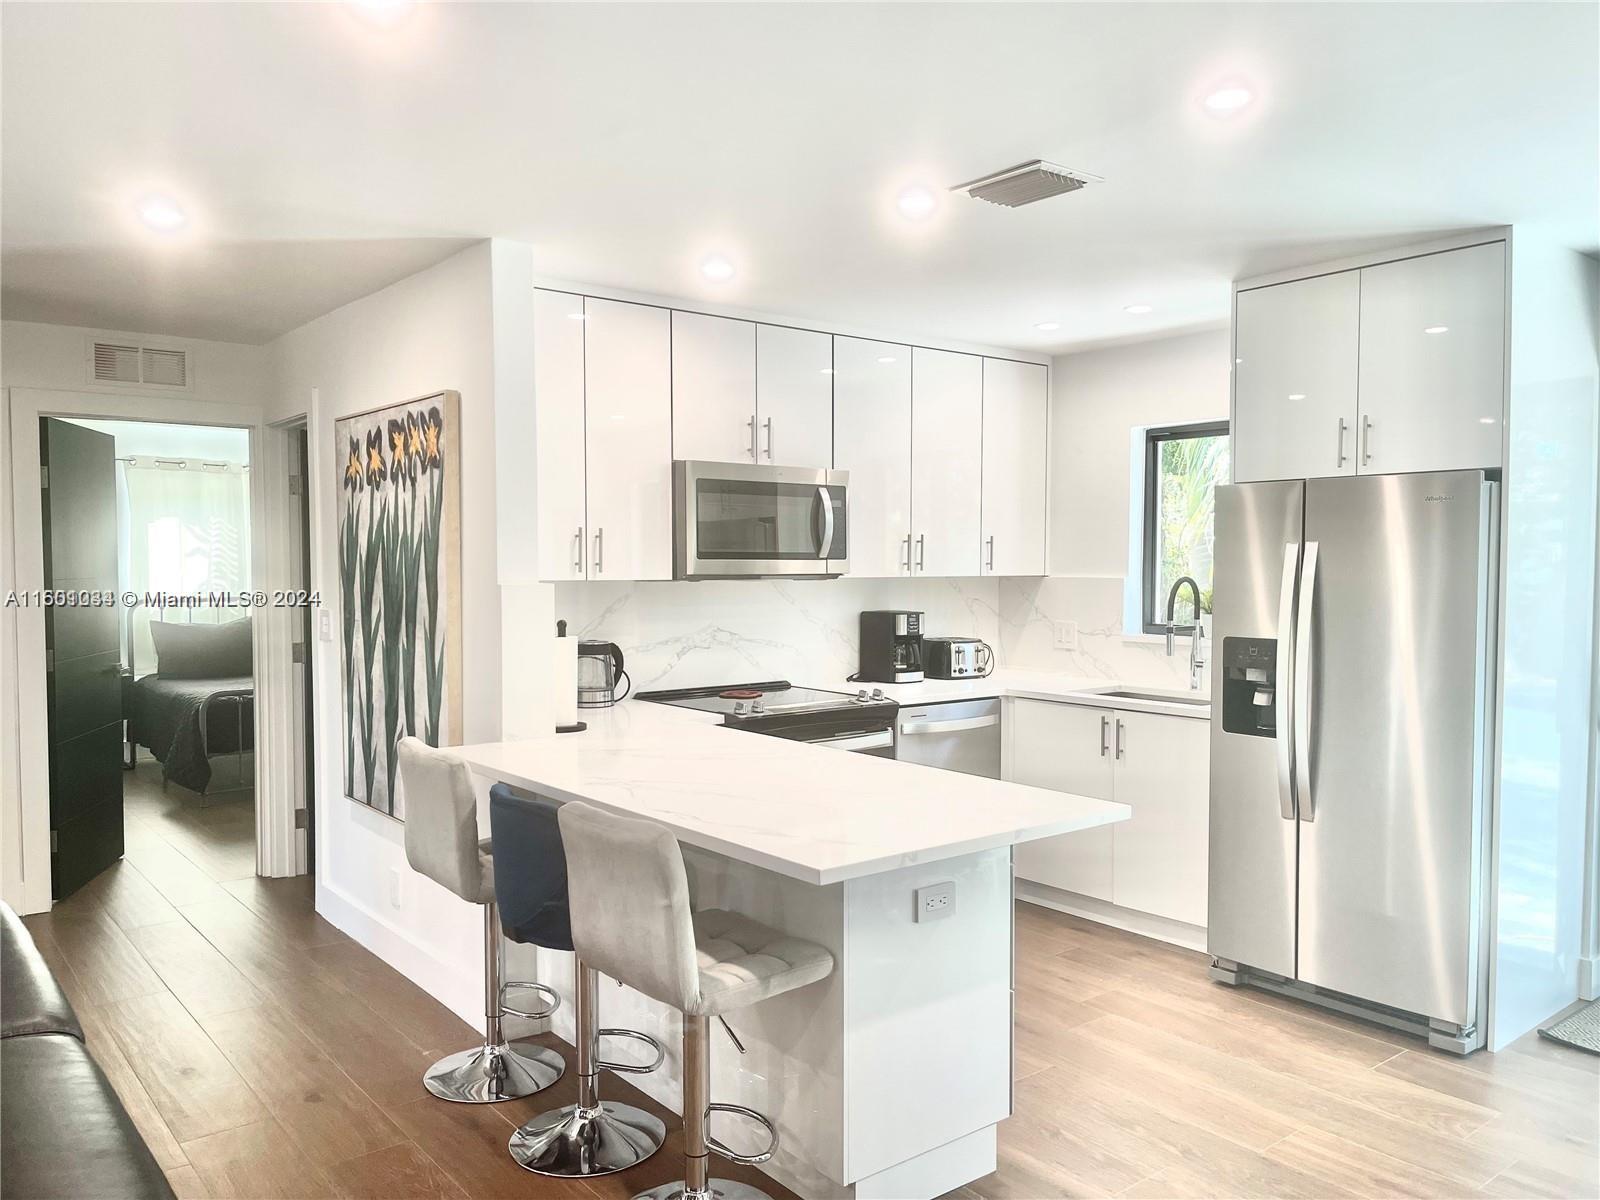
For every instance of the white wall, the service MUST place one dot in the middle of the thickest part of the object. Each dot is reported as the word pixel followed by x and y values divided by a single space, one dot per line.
pixel 1547 685
pixel 153 439
pixel 430 332
pixel 1098 399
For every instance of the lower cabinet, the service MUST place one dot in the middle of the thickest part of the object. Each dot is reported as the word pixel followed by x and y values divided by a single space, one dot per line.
pixel 1154 862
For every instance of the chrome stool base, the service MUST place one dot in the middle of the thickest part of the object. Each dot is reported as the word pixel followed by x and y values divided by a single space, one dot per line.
pixel 489 1074
pixel 716 1189
pixel 577 1141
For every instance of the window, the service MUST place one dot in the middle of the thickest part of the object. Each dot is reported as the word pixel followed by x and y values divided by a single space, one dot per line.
pixel 1182 466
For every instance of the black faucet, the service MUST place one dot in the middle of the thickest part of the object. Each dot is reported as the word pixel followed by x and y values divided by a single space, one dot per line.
pixel 1196 632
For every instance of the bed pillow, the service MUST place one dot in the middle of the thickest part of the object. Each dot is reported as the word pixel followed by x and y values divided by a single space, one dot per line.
pixel 202 651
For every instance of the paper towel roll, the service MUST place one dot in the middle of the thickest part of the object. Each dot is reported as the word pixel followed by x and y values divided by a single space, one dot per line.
pixel 564 673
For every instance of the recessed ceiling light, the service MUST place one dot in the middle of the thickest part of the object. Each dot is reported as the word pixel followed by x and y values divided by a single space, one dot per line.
pixel 916 203
pixel 1227 99
pixel 382 14
pixel 1437 329
pixel 575 316
pixel 716 268
pixel 1297 395
pixel 1486 421
pixel 1048 326
pixel 162 213
pixel 827 370
pixel 1137 310
pixel 887 358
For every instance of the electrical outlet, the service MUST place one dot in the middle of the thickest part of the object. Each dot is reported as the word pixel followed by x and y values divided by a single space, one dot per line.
pixel 325 625
pixel 394 886
pixel 1066 635
pixel 935 901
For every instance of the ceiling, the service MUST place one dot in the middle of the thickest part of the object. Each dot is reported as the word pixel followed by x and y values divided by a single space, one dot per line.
pixel 320 157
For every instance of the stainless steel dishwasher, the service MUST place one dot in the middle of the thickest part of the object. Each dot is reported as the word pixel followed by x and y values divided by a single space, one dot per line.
pixel 959 735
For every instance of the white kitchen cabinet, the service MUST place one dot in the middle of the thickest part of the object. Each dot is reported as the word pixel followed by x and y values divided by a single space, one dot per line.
pixel 794 396
pixel 558 321
pixel 872 440
pixel 1432 377
pixel 1016 402
pixel 1067 748
pixel 946 462
pixel 713 388
pixel 1159 853
pixel 628 412
pixel 1295 351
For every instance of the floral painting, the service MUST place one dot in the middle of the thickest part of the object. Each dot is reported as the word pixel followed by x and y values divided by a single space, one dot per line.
pixel 400 588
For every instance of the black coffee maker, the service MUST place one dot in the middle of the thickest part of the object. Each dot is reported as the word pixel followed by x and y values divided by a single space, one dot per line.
pixel 891 647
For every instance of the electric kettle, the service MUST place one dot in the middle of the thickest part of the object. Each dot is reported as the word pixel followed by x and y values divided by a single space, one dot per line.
pixel 600 674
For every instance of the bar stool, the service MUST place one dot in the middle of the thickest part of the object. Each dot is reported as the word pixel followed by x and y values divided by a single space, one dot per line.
pixel 442 843
pixel 593 1136
pixel 631 919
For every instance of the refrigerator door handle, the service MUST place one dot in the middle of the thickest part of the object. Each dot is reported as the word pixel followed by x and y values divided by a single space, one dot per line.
pixel 1304 684
pixel 1282 688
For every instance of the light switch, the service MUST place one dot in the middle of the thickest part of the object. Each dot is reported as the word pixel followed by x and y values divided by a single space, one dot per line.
pixel 1066 635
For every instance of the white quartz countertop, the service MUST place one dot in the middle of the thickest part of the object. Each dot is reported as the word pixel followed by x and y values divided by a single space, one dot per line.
pixel 815 814
pixel 1036 685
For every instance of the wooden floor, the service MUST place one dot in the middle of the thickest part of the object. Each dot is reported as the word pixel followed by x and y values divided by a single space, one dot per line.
pixel 264 1054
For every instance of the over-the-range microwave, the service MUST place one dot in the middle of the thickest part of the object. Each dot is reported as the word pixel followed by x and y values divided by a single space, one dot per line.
pixel 737 520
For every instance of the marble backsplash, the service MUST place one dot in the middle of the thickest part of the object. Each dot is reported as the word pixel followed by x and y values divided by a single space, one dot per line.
pixel 681 634
pixel 689 634
pixel 1029 609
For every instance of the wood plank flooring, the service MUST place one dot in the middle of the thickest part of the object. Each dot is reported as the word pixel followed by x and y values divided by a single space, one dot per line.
pixel 264 1054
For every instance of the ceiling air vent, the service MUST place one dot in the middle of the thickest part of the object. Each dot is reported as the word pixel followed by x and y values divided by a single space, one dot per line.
pixel 1025 183
pixel 140 365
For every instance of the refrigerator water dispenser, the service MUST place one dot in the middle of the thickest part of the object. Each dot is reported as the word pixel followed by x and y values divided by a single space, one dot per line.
pixel 1249 667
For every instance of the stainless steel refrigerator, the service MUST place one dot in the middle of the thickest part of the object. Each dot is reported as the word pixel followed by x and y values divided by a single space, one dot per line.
pixel 1351 743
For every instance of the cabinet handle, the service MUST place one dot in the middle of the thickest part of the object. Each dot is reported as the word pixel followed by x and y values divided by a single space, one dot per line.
pixel 1105 736
pixel 1342 427
pixel 1366 440
pixel 769 439
pixel 1119 737
pixel 599 548
pixel 922 549
pixel 908 553
pixel 754 457
pixel 991 552
pixel 577 551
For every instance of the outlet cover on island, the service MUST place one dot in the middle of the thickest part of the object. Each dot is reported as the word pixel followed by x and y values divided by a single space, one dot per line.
pixel 1066 635
pixel 394 886
pixel 935 901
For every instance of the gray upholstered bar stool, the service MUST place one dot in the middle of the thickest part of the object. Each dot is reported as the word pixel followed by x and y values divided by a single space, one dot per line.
pixel 442 843
pixel 629 899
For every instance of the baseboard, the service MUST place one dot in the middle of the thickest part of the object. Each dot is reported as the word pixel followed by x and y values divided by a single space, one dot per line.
pixel 1162 929
pixel 1589 978
pixel 456 985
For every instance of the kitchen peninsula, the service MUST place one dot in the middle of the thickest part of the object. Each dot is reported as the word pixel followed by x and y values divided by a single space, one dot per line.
pixel 887 1079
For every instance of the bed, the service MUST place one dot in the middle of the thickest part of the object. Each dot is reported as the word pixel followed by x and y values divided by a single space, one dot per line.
pixel 198 705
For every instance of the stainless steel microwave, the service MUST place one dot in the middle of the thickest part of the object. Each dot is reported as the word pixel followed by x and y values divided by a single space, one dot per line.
pixel 736 520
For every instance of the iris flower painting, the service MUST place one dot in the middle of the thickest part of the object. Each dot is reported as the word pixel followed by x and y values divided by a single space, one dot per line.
pixel 399 588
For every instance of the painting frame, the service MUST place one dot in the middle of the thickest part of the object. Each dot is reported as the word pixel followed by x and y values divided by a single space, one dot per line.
pixel 398 548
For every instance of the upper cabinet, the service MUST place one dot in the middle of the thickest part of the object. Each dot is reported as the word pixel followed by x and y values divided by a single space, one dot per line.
pixel 1390 368
pixel 628 414
pixel 1016 403
pixel 946 462
pixel 713 388
pixel 1433 356
pixel 558 321
pixel 794 396
pixel 872 440
pixel 1294 378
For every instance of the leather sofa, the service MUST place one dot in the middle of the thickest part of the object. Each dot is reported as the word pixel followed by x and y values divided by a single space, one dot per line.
pixel 64 1135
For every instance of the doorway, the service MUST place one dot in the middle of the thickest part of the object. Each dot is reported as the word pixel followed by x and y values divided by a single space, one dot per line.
pixel 157 515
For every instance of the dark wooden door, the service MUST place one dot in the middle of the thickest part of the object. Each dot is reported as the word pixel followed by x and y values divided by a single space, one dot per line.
pixel 83 653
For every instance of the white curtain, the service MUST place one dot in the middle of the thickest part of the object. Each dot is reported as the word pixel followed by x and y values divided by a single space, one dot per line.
pixel 186 532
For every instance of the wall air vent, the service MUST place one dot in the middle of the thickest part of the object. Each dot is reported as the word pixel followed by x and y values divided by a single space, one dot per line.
pixel 1026 183
pixel 139 365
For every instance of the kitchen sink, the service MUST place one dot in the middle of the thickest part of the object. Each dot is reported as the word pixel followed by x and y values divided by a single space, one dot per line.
pixel 1157 697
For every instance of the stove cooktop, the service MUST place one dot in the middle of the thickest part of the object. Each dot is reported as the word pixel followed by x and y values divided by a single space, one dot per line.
pixel 745 702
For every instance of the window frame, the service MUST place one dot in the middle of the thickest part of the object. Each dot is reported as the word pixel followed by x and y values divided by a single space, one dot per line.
pixel 1155 437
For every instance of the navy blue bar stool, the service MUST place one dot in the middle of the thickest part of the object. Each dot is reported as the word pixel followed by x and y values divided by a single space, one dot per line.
pixel 593 1136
